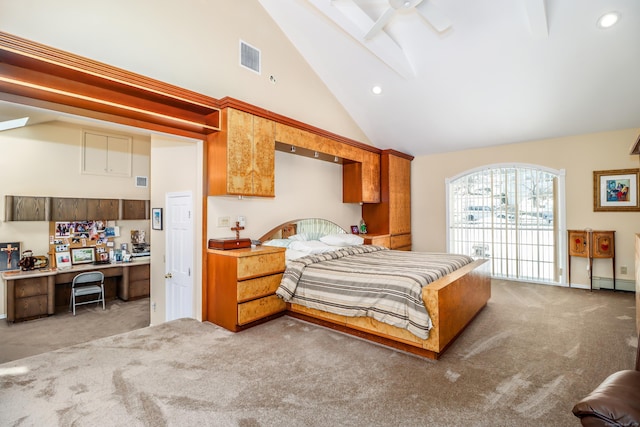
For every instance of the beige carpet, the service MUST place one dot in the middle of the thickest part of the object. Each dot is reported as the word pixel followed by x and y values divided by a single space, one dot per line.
pixel 22 339
pixel 525 360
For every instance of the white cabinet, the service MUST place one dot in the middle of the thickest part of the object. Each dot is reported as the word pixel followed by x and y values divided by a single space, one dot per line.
pixel 104 154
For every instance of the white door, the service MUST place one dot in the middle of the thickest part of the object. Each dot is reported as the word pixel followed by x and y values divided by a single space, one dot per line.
pixel 179 256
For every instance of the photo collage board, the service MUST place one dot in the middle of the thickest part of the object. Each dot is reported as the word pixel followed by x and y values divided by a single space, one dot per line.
pixel 80 242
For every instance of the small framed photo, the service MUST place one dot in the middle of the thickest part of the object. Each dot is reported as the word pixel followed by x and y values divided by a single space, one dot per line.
pixel 615 190
pixel 156 218
pixel 10 256
pixel 83 255
pixel 63 259
pixel 354 229
pixel 63 229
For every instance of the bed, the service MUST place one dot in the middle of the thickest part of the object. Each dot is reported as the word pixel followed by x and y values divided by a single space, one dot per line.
pixel 325 256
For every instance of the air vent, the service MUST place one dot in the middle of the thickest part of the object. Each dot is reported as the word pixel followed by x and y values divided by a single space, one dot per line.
pixel 249 57
pixel 141 181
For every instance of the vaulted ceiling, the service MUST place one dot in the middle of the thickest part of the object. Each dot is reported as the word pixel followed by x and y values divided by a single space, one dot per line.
pixel 462 74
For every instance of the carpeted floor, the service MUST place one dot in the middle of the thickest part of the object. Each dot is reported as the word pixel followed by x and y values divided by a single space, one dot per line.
pixel 524 361
pixel 23 339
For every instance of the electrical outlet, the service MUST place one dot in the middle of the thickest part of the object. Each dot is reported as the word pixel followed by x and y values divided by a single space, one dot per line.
pixel 153 306
pixel 623 269
pixel 224 221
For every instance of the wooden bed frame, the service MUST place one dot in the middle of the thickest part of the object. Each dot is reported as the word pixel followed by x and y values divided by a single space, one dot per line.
pixel 452 302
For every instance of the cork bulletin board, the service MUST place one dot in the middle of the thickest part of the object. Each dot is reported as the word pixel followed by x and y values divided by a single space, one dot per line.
pixel 79 242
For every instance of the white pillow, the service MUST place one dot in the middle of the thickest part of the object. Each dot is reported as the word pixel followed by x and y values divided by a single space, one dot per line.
pixel 280 243
pixel 311 246
pixel 301 237
pixel 342 239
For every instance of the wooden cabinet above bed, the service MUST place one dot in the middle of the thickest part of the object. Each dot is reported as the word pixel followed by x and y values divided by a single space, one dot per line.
pixel 241 157
pixel 392 215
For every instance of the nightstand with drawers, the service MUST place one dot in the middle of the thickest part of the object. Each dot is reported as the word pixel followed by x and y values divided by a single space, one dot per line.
pixel 241 285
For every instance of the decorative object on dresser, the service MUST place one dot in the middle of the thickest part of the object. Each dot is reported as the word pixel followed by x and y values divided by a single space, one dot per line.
pixel 591 244
pixel 226 243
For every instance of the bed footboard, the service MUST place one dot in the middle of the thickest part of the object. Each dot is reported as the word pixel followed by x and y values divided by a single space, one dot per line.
pixel 452 302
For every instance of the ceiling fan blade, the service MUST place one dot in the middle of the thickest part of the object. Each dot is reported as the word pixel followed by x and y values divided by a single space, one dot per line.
pixel 380 23
pixel 433 16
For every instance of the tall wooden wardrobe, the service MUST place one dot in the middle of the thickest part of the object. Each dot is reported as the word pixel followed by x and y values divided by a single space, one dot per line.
pixel 391 218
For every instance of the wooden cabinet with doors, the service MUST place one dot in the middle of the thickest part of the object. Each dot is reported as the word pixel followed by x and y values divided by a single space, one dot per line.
pixel 68 209
pixel 361 180
pixel 591 244
pixel 241 286
pixel 360 166
pixel 107 209
pixel 27 208
pixel 241 157
pixel 135 209
pixel 392 215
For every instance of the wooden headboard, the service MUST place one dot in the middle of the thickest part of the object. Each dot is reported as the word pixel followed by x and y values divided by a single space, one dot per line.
pixel 311 226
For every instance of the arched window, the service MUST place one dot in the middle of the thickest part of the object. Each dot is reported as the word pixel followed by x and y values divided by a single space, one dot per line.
pixel 512 215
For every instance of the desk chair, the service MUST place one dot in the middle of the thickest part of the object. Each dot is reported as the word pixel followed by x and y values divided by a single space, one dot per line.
pixel 91 283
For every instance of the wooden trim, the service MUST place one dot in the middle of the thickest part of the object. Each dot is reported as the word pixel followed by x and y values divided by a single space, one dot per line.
pixel 228 102
pixel 32 73
pixel 397 154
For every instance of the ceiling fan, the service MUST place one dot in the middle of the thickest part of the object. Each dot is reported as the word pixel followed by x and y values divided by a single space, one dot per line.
pixel 425 8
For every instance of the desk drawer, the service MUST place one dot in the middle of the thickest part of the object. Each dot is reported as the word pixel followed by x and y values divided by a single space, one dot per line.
pixel 259 308
pixel 30 287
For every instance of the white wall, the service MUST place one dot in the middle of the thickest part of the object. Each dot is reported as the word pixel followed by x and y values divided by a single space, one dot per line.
pixel 176 167
pixel 45 160
pixel 579 155
pixel 305 188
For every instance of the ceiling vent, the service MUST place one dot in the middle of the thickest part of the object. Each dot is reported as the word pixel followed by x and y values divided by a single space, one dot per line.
pixel 249 57
pixel 141 181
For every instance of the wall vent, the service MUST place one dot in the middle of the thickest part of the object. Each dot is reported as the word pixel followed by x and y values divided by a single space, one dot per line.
pixel 249 57
pixel 141 181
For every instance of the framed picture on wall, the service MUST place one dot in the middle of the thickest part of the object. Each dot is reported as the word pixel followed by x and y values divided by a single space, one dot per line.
pixel 83 255
pixel 156 218
pixel 615 190
pixel 9 256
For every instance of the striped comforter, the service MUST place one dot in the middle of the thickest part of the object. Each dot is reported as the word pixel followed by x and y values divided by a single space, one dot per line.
pixel 369 281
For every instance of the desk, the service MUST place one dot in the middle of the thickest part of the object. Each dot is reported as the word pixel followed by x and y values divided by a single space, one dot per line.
pixel 37 293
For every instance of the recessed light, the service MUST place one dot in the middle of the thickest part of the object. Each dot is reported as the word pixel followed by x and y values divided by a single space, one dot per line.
pixel 608 20
pixel 377 90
